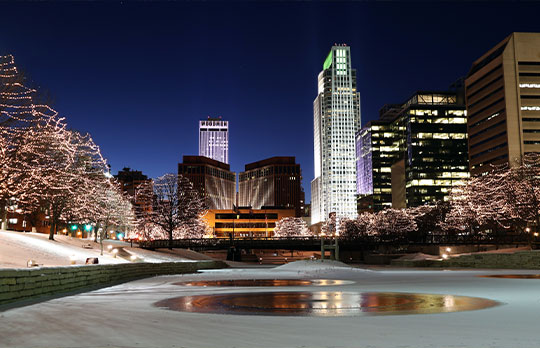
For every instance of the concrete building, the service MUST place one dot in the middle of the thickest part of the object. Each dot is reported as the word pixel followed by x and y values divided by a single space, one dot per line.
pixel 336 112
pixel 273 182
pixel 214 139
pixel 503 102
pixel 211 178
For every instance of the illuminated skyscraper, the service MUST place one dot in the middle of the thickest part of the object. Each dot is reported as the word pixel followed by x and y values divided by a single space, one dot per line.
pixel 336 112
pixel 214 139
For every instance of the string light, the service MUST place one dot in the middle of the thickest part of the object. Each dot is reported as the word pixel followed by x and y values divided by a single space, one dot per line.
pixel 46 166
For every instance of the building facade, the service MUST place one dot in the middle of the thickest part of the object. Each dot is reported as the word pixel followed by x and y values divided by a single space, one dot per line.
pixel 503 103
pixel 431 132
pixel 377 149
pixel 214 139
pixel 244 222
pixel 336 112
pixel 273 182
pixel 415 153
pixel 130 181
pixel 212 179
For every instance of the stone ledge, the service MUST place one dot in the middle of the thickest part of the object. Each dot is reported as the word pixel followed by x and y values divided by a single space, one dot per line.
pixel 21 284
pixel 518 260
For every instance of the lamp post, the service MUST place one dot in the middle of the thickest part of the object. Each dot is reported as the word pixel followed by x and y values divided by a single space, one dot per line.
pixel 336 246
pixel 322 245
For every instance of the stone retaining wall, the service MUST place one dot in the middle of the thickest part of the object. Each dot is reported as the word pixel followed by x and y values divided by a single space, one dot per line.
pixel 517 260
pixel 21 284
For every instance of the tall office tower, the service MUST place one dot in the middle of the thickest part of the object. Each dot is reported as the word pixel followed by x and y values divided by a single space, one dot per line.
pixel 214 139
pixel 503 102
pixel 431 133
pixel 415 153
pixel 212 179
pixel 273 182
pixel 336 112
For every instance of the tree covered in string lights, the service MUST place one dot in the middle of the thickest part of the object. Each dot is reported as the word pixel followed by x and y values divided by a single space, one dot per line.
pixel 45 166
pixel 506 199
pixel 177 208
pixel 292 227
pixel 20 108
pixel 362 226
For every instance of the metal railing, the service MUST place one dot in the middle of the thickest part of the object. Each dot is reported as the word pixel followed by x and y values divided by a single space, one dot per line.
pixel 313 243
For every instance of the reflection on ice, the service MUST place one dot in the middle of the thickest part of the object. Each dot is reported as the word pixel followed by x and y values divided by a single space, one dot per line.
pixel 325 303
pixel 266 282
pixel 512 276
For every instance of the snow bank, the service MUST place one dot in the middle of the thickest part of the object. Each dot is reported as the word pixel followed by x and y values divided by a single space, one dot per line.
pixel 16 248
pixel 418 256
pixel 313 265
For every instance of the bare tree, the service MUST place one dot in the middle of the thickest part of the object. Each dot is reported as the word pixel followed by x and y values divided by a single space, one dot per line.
pixel 177 205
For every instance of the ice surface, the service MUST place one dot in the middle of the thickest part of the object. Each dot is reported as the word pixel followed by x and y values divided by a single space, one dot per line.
pixel 124 315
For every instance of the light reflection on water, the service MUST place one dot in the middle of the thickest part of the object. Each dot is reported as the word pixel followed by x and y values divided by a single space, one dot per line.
pixel 266 282
pixel 325 303
pixel 512 276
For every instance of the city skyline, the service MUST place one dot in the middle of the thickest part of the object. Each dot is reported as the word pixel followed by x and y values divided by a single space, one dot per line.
pixel 262 80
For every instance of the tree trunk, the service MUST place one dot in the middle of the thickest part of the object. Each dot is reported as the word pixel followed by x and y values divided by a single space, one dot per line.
pixel 96 231
pixel 170 239
pixel 102 234
pixel 4 219
pixel 52 230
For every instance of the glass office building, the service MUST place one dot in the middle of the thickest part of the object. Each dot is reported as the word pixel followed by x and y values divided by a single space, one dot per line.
pixel 415 153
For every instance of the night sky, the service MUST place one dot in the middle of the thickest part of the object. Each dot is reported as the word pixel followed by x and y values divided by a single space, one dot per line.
pixel 138 76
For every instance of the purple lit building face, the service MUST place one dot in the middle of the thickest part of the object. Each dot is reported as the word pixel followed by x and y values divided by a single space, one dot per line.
pixel 364 164
pixel 214 139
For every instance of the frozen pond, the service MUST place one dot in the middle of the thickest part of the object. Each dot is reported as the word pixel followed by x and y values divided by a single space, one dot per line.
pixel 126 316
pixel 325 303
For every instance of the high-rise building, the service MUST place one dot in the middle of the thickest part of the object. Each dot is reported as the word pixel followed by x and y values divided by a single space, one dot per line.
pixel 212 179
pixel 273 182
pixel 214 139
pixel 431 133
pixel 336 112
pixel 503 102
pixel 415 153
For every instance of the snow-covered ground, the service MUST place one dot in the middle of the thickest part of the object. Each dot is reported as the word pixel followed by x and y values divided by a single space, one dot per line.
pixel 16 248
pixel 124 315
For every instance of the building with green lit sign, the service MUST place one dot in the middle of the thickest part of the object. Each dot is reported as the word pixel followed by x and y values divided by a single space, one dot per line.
pixel 336 116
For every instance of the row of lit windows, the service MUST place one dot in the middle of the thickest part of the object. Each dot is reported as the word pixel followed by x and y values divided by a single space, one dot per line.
pixel 437 182
pixel 492 116
pixel 441 135
pixel 451 120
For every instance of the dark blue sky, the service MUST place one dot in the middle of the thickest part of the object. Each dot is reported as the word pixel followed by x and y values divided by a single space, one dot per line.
pixel 139 76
